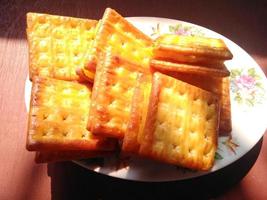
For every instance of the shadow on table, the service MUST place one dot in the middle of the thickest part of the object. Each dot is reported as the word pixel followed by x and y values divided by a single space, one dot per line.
pixel 69 181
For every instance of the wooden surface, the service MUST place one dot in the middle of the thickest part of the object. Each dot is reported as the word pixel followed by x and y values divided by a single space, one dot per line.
pixel 20 178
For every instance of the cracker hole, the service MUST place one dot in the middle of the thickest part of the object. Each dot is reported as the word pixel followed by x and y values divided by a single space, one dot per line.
pixel 84 135
pixel 206 154
pixel 182 93
pixel 195 98
pixel 64 117
pixel 45 133
pixel 190 150
pixel 45 116
pixel 161 123
pixel 65 133
pixel 112 101
pixel 192 132
pixel 73 24
pixel 83 118
pixel 206 137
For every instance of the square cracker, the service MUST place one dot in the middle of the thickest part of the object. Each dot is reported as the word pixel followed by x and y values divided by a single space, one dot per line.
pixel 190 49
pixel 56 156
pixel 112 95
pixel 116 34
pixel 182 124
pixel 58 45
pixel 217 85
pixel 58 116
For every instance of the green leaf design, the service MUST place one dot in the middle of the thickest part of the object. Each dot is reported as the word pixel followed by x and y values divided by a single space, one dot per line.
pixel 235 73
pixel 230 144
pixel 156 30
pixel 251 72
pixel 250 102
pixel 171 28
pixel 218 156
pixel 238 98
pixel 250 96
pixel 259 85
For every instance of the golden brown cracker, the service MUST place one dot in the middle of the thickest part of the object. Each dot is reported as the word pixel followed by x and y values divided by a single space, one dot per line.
pixel 58 117
pixel 120 37
pixel 112 95
pixel 165 66
pixel 217 85
pixel 182 124
pixel 58 45
pixel 190 49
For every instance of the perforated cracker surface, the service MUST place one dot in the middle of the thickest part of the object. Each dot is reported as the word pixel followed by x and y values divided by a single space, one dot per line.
pixel 58 45
pixel 182 124
pixel 117 35
pixel 112 96
pixel 217 85
pixel 58 117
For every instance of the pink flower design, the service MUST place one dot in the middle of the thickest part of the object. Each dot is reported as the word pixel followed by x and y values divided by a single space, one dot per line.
pixel 246 82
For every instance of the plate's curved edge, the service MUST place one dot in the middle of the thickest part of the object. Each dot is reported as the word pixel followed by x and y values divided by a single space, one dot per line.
pixel 228 42
pixel 145 180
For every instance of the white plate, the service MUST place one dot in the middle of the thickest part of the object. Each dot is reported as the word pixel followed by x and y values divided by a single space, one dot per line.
pixel 248 101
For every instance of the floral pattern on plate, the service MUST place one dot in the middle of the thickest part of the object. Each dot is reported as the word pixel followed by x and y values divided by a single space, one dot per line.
pixel 179 29
pixel 247 87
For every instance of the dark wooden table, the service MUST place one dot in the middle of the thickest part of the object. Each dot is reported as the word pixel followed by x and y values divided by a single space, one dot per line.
pixel 21 178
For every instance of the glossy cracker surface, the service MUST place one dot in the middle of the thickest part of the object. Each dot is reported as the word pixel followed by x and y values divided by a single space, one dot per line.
pixel 117 35
pixel 217 85
pixel 58 116
pixel 112 96
pixel 58 45
pixel 182 124
pixel 190 49
pixel 166 66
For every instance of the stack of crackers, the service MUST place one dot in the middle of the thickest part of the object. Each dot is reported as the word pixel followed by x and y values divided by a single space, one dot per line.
pixel 100 86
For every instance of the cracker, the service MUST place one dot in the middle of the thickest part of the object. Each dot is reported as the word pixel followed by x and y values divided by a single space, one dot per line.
pixel 56 156
pixel 217 85
pixel 134 133
pixel 58 117
pixel 166 66
pixel 182 124
pixel 112 96
pixel 58 45
pixel 191 49
pixel 226 115
pixel 117 35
